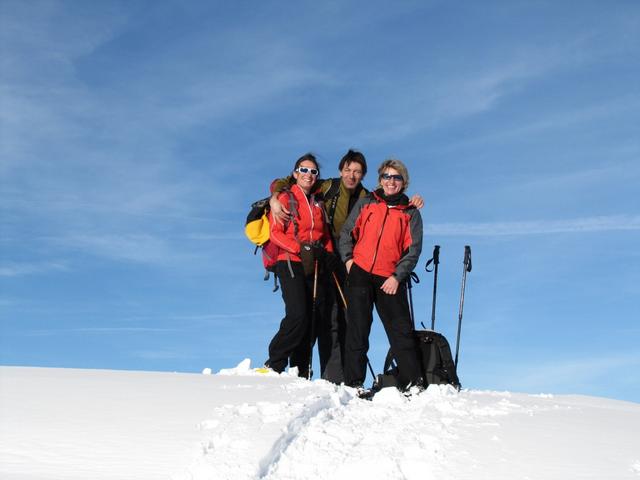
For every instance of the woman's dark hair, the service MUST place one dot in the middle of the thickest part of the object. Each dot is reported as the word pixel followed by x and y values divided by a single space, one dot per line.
pixel 354 156
pixel 307 156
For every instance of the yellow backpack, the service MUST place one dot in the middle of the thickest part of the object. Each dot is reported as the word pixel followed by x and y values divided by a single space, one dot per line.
pixel 256 227
pixel 257 230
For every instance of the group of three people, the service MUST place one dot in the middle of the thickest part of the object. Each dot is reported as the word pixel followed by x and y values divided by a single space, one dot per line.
pixel 333 234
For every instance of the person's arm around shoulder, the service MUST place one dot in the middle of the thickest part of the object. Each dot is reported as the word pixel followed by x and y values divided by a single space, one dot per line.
pixel 277 233
pixel 416 201
pixel 279 211
pixel 324 185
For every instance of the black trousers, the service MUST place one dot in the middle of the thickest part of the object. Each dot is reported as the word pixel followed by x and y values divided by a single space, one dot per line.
pixel 332 329
pixel 292 343
pixel 363 292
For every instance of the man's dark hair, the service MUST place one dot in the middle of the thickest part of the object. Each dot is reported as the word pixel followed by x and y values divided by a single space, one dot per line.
pixel 354 156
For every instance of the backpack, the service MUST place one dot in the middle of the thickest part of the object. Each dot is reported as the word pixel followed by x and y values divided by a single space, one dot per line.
pixel 436 360
pixel 257 230
pixel 434 357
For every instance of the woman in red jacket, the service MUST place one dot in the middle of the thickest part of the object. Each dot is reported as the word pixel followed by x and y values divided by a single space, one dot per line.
pixel 380 243
pixel 305 251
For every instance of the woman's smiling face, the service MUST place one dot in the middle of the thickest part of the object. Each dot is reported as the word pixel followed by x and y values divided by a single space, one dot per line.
pixel 305 178
pixel 391 181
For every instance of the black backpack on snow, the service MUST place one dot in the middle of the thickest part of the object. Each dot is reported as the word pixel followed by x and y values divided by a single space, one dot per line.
pixel 434 357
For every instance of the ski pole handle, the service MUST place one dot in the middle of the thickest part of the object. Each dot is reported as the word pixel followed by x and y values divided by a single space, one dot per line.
pixel 467 257
pixel 435 259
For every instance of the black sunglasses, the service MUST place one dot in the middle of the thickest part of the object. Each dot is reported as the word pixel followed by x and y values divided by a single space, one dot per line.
pixel 387 176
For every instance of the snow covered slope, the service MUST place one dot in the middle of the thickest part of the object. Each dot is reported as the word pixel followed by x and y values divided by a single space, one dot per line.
pixel 79 424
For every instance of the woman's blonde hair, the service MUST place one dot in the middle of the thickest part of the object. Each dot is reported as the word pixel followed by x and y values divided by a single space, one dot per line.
pixel 397 165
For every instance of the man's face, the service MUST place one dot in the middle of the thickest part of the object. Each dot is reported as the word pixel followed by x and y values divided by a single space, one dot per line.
pixel 351 175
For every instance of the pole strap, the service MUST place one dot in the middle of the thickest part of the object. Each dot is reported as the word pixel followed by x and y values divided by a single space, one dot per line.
pixel 435 259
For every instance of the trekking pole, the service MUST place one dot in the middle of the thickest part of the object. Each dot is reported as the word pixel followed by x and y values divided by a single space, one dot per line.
pixel 344 302
pixel 413 276
pixel 467 268
pixel 436 261
pixel 313 316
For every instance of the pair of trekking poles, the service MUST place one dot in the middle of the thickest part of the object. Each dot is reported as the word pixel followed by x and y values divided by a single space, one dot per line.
pixel 313 314
pixel 435 259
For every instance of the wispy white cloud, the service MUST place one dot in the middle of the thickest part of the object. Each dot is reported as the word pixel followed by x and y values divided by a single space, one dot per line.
pixel 83 156
pixel 620 170
pixel 184 251
pixel 476 85
pixel 163 354
pixel 216 236
pixel 98 331
pixel 217 316
pixel 559 121
pixel 22 269
pixel 121 330
pixel 139 248
pixel 579 225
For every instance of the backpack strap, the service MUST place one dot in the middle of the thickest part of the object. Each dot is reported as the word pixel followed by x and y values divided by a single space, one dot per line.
pixel 293 215
pixel 331 199
pixel 389 362
pixel 447 362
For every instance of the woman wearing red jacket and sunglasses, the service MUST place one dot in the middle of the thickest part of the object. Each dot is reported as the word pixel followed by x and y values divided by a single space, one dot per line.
pixel 380 243
pixel 305 258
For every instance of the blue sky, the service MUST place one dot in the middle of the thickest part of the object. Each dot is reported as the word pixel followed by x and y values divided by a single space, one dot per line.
pixel 134 135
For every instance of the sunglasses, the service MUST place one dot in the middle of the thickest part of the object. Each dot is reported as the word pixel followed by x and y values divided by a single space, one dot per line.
pixel 312 171
pixel 386 176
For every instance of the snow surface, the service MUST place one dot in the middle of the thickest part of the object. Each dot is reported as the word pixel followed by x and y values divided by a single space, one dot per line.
pixel 239 424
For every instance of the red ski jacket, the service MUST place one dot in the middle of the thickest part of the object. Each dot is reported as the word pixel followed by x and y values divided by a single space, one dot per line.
pixel 381 238
pixel 307 225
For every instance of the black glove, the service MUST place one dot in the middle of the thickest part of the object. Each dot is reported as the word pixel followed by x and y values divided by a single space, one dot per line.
pixel 332 262
pixel 319 253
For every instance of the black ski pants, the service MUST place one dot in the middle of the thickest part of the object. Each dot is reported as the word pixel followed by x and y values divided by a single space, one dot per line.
pixel 332 329
pixel 363 292
pixel 292 343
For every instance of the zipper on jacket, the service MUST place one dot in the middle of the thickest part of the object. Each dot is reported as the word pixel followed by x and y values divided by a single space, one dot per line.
pixel 375 253
pixel 310 213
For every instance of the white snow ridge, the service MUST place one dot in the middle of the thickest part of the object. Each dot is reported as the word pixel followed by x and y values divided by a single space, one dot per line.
pixel 240 424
